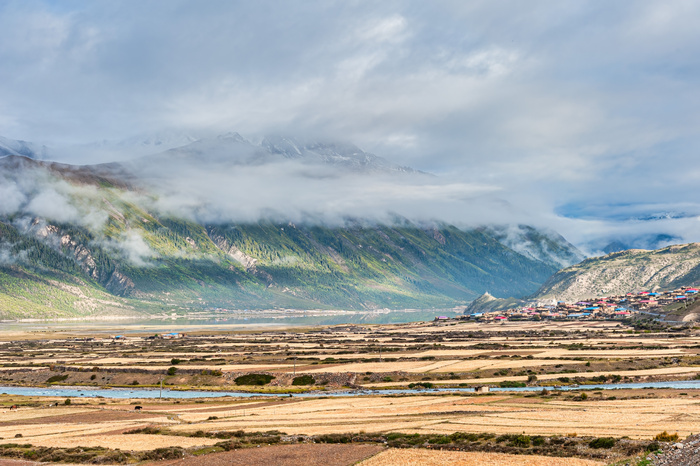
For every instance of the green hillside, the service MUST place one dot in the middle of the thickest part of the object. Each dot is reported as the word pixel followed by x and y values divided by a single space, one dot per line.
pixel 260 265
pixel 117 254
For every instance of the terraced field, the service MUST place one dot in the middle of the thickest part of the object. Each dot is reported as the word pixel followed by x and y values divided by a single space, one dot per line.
pixel 352 358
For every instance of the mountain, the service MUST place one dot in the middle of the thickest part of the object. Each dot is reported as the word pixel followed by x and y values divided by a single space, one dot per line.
pixel 486 303
pixel 94 239
pixel 541 245
pixel 24 148
pixel 229 150
pixel 623 272
pixel 346 155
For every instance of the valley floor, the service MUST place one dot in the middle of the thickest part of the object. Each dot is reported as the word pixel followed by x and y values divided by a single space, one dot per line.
pixel 324 360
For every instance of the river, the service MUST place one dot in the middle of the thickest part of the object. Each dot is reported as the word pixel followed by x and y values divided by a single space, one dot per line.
pixel 127 393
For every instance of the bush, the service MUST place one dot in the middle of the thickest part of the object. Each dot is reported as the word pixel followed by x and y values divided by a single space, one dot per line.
pixel 67 402
pixel 522 441
pixel 537 441
pixel 93 377
pixel 531 378
pixel 653 446
pixel 421 385
pixel 57 378
pixel 602 442
pixel 335 438
pixel 440 440
pixel 175 361
pixel 172 370
pixel 168 453
pixel 304 380
pixel 510 384
pixel 135 382
pixel 666 437
pixel 254 379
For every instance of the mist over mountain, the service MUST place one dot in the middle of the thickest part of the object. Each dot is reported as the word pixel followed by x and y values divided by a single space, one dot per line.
pixel 225 222
pixel 24 148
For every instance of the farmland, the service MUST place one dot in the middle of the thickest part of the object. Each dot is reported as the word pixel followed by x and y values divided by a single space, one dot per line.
pixel 322 363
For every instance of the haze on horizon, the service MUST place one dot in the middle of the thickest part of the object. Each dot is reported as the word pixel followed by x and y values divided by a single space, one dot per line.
pixel 579 116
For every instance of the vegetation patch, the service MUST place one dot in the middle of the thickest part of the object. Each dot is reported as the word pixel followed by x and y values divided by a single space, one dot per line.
pixel 57 378
pixel 303 380
pixel 512 384
pixel 254 379
pixel 602 442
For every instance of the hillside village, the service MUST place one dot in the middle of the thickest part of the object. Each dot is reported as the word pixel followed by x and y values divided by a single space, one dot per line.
pixel 603 308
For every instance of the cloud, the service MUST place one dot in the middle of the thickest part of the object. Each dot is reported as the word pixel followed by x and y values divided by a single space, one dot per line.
pixel 132 247
pixel 547 103
pixel 36 192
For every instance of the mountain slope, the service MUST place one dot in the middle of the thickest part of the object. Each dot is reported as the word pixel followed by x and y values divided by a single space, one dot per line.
pixel 24 148
pixel 542 245
pixel 104 235
pixel 158 234
pixel 623 272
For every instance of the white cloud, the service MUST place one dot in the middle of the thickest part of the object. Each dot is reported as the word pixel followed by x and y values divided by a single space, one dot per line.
pixel 553 102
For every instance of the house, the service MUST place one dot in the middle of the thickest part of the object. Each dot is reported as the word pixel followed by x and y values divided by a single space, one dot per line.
pixel 481 389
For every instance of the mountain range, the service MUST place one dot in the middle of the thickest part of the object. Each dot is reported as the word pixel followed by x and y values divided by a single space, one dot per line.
pixel 115 238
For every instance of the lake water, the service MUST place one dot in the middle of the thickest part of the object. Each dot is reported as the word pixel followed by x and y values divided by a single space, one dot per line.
pixel 231 320
pixel 127 393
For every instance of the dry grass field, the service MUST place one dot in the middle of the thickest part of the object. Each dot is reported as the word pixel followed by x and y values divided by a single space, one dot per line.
pixel 355 357
pixel 393 457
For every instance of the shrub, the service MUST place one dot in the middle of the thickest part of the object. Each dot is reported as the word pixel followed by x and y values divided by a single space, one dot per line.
pixel 387 379
pixel 57 378
pixel 653 446
pixel 172 370
pixel 254 379
pixel 93 377
pixel 421 385
pixel 304 380
pixel 67 402
pixel 666 437
pixel 168 453
pixel 511 384
pixel 522 441
pixel 175 361
pixel 537 441
pixel 440 440
pixel 335 438
pixel 135 382
pixel 531 378
pixel 602 442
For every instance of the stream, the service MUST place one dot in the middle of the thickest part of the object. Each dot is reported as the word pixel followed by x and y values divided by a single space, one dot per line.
pixel 127 393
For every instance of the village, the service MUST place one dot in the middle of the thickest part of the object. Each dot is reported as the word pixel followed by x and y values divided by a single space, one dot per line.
pixel 603 308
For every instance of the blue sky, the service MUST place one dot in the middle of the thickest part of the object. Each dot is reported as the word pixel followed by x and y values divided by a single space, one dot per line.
pixel 557 106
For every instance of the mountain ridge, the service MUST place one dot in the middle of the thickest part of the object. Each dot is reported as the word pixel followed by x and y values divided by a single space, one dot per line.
pixel 625 271
pixel 103 228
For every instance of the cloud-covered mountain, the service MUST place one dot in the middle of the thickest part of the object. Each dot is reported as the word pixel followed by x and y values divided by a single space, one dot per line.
pixel 223 222
pixel 24 148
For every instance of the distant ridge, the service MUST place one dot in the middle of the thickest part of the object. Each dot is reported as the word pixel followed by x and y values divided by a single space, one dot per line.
pixel 625 271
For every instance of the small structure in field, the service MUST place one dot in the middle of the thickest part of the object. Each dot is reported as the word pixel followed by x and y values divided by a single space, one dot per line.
pixel 481 389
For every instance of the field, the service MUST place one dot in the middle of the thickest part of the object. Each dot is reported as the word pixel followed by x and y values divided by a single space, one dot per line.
pixel 351 359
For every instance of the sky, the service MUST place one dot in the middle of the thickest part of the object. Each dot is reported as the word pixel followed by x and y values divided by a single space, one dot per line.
pixel 582 115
